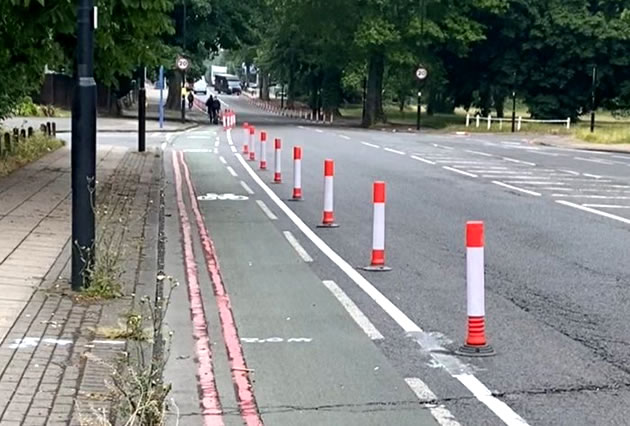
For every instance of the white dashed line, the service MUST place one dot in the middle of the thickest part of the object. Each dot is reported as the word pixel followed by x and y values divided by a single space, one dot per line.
pixel 216 143
pixel 439 412
pixel 319 130
pixel 266 210
pixel 302 127
pixel 516 188
pixel 232 172
pixel 594 160
pixel 230 142
pixel 514 160
pixel 478 153
pixel 591 175
pixel 571 172
pixel 197 150
pixel 233 148
pixel 221 159
pixel 594 211
pixel 371 145
pixel 442 146
pixel 297 246
pixel 344 137
pixel 594 197
pixel 424 160
pixel 247 188
pixel 357 315
pixel 461 172
pixel 216 151
pixel 395 151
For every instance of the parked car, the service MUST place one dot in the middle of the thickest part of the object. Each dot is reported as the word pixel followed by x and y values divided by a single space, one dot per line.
pixel 227 83
pixel 201 86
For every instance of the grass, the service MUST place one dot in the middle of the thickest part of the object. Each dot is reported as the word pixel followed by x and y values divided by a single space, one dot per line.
pixel 604 134
pixel 28 151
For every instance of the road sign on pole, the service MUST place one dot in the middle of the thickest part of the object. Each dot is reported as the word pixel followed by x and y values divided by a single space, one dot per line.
pixel 422 73
pixel 182 63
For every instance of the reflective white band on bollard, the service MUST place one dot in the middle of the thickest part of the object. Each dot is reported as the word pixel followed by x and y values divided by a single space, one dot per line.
pixel 263 150
pixel 277 161
pixel 252 148
pixel 297 173
pixel 328 217
pixel 378 230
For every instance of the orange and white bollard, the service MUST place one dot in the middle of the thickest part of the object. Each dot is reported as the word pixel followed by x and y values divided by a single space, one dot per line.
pixel 328 219
pixel 263 150
pixel 476 344
pixel 377 263
pixel 297 174
pixel 246 139
pixel 277 157
pixel 252 148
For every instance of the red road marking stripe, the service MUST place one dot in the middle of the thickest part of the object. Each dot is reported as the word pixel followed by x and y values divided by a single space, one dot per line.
pixel 240 373
pixel 210 403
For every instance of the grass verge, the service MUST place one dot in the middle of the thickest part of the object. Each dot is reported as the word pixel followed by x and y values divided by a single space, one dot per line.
pixel 28 151
pixel 604 134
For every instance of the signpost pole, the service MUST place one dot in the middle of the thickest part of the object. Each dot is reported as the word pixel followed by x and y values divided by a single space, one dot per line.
pixel 161 96
pixel 142 113
pixel 593 99
pixel 419 115
pixel 421 75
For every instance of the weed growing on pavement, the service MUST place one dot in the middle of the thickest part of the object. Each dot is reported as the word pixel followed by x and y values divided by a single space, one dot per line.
pixel 136 388
pixel 28 150
pixel 104 272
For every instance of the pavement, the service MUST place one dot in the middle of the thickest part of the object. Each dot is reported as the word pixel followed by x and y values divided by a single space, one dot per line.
pixel 556 261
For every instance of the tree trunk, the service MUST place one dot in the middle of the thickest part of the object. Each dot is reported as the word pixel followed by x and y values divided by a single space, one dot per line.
pixel 264 85
pixel 374 98
pixel 247 76
pixel 331 90
pixel 291 88
pixel 174 98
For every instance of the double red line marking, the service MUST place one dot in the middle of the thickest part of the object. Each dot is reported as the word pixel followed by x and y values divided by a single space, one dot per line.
pixel 210 401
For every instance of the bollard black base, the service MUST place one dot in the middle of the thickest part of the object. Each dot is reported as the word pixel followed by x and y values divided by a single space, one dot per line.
pixel 328 225
pixel 372 268
pixel 475 351
pixel 295 199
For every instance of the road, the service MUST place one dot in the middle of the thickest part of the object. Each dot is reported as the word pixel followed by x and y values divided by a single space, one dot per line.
pixel 557 267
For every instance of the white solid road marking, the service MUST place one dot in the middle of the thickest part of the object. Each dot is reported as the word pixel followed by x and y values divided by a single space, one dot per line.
pixel 230 142
pixel 424 160
pixel 319 130
pixel 233 148
pixel 344 137
pixel 606 206
pixel 466 162
pixel 442 146
pixel 232 171
pixel 571 172
pixel 216 143
pixel 357 315
pixel 594 160
pixel 247 188
pixel 478 153
pixel 535 183
pixel 596 197
pixel 197 150
pixel 370 144
pixel 451 364
pixel 266 210
pixel 514 160
pixel 439 412
pixel 296 244
pixel 395 151
pixel 221 159
pixel 216 151
pixel 549 154
pixel 594 211
pixel 301 127
pixel 592 175
pixel 461 172
pixel 516 188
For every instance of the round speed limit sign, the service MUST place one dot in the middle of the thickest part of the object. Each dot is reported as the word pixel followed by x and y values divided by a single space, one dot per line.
pixel 182 64
pixel 421 73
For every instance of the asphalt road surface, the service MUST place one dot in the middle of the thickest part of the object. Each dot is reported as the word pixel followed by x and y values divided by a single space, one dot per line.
pixel 557 275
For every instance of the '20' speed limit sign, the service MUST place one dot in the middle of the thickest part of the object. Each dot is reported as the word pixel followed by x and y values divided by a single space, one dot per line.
pixel 182 64
pixel 421 73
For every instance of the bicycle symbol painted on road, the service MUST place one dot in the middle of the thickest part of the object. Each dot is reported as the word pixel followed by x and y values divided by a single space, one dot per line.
pixel 222 197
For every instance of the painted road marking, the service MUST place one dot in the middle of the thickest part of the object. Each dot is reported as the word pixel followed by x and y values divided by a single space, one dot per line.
pixel 357 315
pixel 549 154
pixel 594 211
pixel 514 160
pixel 197 150
pixel 370 144
pixel 31 342
pixel 266 210
pixel 230 142
pixel 464 162
pixel 439 412
pixel 297 246
pixel 442 146
pixel 516 188
pixel 450 363
pixel 461 172
pixel 276 340
pixel 247 188
pixel 592 175
pixel 232 171
pixel 606 206
pixel 233 148
pixel 424 160
pixel 594 160
pixel 505 172
pixel 302 127
pixel 535 183
pixel 319 130
pixel 395 151
pixel 222 197
pixel 571 172
pixel 221 159
pixel 597 197
pixel 478 153
pixel 344 137
pixel 216 143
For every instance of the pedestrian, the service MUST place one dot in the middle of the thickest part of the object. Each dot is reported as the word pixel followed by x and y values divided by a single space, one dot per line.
pixel 216 106
pixel 210 108
pixel 191 99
